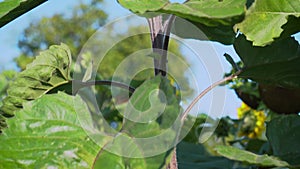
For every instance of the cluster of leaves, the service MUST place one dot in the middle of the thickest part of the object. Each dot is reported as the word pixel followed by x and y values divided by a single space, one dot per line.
pixel 40 77
pixel 241 149
pixel 86 19
pixel 217 15
pixel 269 56
pixel 42 130
pixel 50 72
pixel 53 137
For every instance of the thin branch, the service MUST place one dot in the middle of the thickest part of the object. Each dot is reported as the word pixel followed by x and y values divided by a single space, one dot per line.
pixel 101 83
pixel 173 162
pixel 186 112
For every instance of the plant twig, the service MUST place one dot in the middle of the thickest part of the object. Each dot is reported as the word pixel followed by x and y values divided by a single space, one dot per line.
pixel 101 82
pixel 173 163
pixel 189 108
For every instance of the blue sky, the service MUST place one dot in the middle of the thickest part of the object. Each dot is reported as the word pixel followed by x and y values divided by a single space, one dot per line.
pixel 10 34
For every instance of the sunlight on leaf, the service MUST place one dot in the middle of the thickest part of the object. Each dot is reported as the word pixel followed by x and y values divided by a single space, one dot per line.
pixel 11 9
pixel 142 6
pixel 46 136
pixel 265 18
pixel 49 70
pixel 251 158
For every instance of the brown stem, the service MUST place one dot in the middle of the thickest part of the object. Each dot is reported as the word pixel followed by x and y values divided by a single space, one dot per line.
pixel 160 33
pixel 189 108
pixel 173 163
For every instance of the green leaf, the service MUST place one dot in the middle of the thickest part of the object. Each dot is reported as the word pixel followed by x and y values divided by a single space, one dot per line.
pixel 11 9
pixel 195 128
pixel 110 160
pixel 147 102
pixel 265 18
pixel 210 13
pixel 47 134
pixel 257 146
pixel 3 84
pixel 141 109
pixel 5 77
pixel 153 112
pixel 248 157
pixel 223 34
pixel 214 18
pixel 276 64
pixel 42 135
pixel 283 135
pixel 231 61
pixel 50 70
pixel 142 6
pixel 2 122
pixel 152 108
pixel 142 141
pixel 195 156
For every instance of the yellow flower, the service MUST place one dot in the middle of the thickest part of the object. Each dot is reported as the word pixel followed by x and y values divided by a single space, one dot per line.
pixel 173 82
pixel 253 121
pixel 243 110
pixel 251 135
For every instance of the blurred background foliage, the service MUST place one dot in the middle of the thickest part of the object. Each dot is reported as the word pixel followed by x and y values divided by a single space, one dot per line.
pixel 75 30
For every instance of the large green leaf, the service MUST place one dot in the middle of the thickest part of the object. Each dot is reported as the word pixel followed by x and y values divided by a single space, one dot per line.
pixel 195 156
pixel 222 34
pixel 214 18
pixel 210 13
pixel 146 102
pixel 277 63
pixel 47 134
pixel 142 6
pixel 249 157
pixel 291 27
pixel 283 135
pixel 265 18
pixel 153 113
pixel 126 152
pixel 195 30
pixel 154 101
pixel 48 71
pixel 11 9
pixel 143 141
